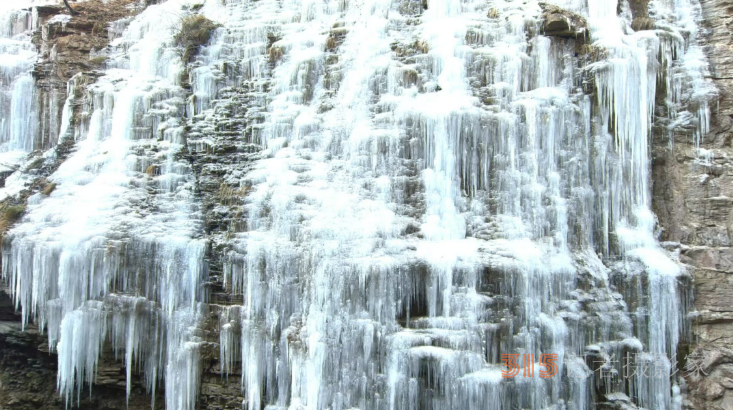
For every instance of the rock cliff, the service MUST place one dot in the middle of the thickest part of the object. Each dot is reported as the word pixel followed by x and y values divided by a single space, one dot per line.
pixel 692 193
pixel 693 187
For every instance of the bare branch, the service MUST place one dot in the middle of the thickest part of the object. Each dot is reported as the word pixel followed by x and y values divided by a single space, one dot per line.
pixel 72 11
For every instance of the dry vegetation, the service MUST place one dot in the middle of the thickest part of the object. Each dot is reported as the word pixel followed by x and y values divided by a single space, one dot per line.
pixel 48 188
pixel 99 60
pixel 231 195
pixel 336 36
pixel 331 43
pixel 642 23
pixel 102 13
pixel 152 170
pixel 275 54
pixel 37 163
pixel 195 32
pixel 422 46
pixel 9 214
pixel 593 52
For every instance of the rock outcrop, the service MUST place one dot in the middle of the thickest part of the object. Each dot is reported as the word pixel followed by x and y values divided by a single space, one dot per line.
pixel 558 22
pixel 28 373
pixel 693 199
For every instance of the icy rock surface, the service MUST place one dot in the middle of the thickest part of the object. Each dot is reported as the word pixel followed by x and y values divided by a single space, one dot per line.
pixel 17 56
pixel 421 188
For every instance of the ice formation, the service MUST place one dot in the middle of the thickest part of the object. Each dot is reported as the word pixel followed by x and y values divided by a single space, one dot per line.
pixel 430 188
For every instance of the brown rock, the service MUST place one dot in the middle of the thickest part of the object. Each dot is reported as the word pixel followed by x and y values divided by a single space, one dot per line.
pixel 694 207
pixel 713 391
pixel 726 382
pixel 559 22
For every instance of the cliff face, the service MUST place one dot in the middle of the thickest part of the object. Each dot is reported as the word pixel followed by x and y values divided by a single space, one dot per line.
pixel 28 370
pixel 693 199
pixel 217 112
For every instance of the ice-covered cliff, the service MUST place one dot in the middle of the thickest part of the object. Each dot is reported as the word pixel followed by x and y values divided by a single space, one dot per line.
pixel 355 204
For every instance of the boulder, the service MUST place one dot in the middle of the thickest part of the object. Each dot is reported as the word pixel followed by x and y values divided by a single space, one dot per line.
pixel 558 22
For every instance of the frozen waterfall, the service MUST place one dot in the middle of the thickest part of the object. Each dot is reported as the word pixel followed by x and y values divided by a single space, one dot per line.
pixel 17 108
pixel 421 187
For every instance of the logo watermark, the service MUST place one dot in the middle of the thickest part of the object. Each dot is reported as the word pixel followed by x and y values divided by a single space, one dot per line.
pixel 631 365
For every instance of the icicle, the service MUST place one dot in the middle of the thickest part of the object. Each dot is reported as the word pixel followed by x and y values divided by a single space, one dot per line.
pixel 420 197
